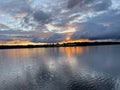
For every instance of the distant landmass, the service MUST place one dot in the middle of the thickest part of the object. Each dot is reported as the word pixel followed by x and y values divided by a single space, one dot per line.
pixel 69 44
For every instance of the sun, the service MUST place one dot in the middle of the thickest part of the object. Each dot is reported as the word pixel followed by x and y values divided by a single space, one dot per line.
pixel 67 38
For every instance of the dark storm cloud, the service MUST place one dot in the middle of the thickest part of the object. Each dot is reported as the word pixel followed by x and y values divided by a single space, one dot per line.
pixel 112 16
pixel 95 33
pixel 105 26
pixel 72 3
pixel 88 30
pixel 103 5
pixel 26 19
pixel 89 4
pixel 40 16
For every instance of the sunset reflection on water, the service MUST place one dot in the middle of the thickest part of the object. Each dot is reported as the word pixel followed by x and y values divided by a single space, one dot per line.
pixel 71 51
pixel 25 53
pixel 60 68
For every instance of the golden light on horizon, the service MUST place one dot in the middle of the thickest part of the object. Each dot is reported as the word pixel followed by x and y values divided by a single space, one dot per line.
pixel 20 42
pixel 68 40
pixel 81 40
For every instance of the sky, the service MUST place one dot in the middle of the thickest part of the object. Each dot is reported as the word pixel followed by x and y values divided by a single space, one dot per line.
pixel 54 20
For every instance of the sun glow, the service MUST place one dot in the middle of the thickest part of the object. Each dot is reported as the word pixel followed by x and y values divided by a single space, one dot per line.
pixel 67 38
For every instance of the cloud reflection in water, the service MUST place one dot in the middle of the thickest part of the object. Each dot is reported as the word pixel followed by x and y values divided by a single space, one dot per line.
pixel 65 68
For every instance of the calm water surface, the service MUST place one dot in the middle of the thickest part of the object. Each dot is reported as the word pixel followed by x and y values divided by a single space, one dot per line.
pixel 64 68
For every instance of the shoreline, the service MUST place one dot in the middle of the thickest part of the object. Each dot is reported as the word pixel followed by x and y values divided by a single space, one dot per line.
pixel 59 45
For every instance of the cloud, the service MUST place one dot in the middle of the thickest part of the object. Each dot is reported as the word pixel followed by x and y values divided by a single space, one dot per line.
pixel 72 3
pixel 13 6
pixel 34 36
pixel 56 38
pixel 88 31
pixel 40 16
pixel 61 28
pixel 91 19
pixel 20 15
pixel 105 26
pixel 3 26
pixel 89 4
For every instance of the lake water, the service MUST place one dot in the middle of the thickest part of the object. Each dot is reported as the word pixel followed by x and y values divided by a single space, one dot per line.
pixel 64 68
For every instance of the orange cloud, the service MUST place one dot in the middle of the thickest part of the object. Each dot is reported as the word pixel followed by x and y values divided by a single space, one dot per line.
pixel 18 41
pixel 20 15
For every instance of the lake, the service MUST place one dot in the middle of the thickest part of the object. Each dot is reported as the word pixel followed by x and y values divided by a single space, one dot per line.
pixel 62 68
